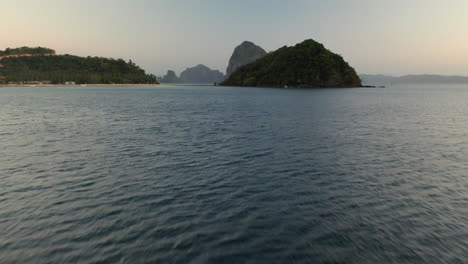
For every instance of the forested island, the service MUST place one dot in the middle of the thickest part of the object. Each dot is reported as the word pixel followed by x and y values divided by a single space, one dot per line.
pixel 24 65
pixel 307 64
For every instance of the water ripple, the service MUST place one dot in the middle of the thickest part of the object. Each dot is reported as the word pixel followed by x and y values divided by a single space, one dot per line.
pixel 226 175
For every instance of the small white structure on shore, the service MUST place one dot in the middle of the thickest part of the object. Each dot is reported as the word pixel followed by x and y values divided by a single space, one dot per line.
pixel 69 83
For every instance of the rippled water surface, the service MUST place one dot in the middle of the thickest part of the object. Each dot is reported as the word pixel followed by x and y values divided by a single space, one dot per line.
pixel 233 175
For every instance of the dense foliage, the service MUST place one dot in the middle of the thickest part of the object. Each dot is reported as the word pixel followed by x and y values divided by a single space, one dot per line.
pixel 26 50
pixel 68 68
pixel 308 64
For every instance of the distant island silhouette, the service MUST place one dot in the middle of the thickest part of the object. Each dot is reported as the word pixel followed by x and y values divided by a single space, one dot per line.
pixel 247 52
pixel 380 79
pixel 196 74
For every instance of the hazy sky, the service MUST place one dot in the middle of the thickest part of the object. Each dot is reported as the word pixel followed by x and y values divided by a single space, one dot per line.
pixel 375 36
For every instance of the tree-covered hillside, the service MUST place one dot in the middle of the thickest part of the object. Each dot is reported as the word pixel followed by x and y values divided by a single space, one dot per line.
pixel 308 64
pixel 26 50
pixel 67 68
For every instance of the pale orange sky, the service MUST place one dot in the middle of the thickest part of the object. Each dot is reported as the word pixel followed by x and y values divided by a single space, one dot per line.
pixel 389 37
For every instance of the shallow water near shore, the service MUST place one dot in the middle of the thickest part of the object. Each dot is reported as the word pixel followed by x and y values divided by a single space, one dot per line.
pixel 233 175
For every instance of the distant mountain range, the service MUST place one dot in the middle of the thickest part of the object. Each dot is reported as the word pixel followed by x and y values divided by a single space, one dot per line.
pixel 378 79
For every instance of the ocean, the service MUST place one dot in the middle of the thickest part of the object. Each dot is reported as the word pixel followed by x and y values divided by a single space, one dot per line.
pixel 234 175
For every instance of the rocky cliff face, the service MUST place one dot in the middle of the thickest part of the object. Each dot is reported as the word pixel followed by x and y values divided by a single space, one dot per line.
pixel 245 53
pixel 201 74
pixel 170 77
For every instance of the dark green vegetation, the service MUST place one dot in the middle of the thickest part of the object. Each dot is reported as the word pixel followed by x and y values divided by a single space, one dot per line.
pixel 308 64
pixel 26 50
pixel 67 68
